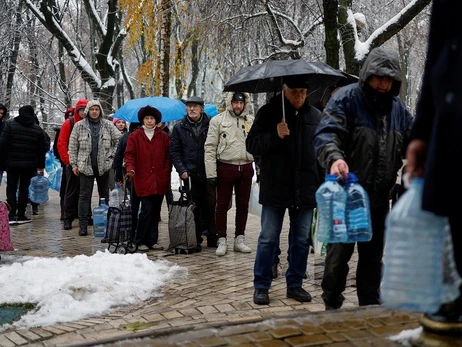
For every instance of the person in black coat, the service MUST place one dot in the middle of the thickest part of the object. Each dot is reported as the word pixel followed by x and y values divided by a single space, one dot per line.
pixel 436 134
pixel 289 179
pixel 23 141
pixel 187 151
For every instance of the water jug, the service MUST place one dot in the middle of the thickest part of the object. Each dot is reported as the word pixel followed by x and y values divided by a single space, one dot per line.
pixel 38 189
pixel 414 253
pixel 116 197
pixel 100 218
pixel 357 210
pixel 331 200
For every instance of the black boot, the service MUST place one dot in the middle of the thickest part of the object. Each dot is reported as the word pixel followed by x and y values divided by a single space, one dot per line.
pixel 83 225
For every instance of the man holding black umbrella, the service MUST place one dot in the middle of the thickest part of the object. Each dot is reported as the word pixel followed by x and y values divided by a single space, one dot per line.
pixel 282 137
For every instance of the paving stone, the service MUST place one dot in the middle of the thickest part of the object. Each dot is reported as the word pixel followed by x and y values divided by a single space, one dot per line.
pixel 308 340
pixel 284 332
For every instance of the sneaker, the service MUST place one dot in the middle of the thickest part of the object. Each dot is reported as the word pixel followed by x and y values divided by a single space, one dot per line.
pixel 240 246
pixel 12 220
pixel 23 220
pixel 67 224
pixel 156 247
pixel 35 210
pixel 143 248
pixel 222 248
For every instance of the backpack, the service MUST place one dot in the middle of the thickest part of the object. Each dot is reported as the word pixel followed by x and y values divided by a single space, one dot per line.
pixel 55 142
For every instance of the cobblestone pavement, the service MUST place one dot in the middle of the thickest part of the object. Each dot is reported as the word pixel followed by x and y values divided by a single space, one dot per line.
pixel 213 307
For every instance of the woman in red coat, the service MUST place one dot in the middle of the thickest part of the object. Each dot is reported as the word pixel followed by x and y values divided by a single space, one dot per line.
pixel 147 161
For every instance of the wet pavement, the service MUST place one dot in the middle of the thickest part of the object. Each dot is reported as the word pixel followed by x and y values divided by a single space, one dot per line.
pixel 213 307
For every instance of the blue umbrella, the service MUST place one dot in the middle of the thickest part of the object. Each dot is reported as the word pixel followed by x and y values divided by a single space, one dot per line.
pixel 211 110
pixel 171 109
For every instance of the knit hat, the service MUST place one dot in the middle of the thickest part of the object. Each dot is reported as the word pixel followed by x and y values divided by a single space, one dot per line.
pixel 94 103
pixel 114 120
pixel 149 111
pixel 69 112
pixel 27 110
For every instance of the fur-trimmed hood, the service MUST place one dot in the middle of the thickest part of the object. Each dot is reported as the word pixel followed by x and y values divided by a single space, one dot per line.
pixel 229 107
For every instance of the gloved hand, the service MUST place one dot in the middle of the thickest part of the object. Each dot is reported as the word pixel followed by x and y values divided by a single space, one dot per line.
pixel 129 175
pixel 212 181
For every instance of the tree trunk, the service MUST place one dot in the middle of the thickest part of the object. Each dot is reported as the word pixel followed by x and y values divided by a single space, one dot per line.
pixel 192 88
pixel 165 46
pixel 14 55
pixel 331 43
pixel 348 39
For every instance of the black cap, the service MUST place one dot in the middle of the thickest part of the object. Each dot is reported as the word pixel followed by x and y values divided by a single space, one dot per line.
pixel 296 83
pixel 238 96
pixel 195 100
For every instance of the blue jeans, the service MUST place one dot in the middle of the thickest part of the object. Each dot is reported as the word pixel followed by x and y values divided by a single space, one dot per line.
pixel 268 244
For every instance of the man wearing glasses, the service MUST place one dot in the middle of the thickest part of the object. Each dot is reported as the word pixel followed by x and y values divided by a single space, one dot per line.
pixel 187 152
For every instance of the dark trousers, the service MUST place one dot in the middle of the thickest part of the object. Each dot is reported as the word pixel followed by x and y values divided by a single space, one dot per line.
pixel 135 204
pixel 147 232
pixel 71 193
pixel 62 189
pixel 204 197
pixel 239 178
pixel 368 272
pixel 86 192
pixel 22 178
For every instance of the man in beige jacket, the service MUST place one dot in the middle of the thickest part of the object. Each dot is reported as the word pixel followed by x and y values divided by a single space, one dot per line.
pixel 228 165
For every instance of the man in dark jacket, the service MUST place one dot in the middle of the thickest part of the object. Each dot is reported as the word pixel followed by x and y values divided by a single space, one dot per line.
pixel 187 151
pixel 23 141
pixel 364 129
pixel 288 180
pixel 437 143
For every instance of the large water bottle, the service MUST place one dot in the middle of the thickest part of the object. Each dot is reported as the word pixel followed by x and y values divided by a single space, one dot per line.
pixel 38 189
pixel 358 213
pixel 331 200
pixel 100 218
pixel 116 197
pixel 416 245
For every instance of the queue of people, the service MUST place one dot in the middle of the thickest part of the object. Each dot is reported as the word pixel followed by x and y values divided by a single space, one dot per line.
pixel 364 128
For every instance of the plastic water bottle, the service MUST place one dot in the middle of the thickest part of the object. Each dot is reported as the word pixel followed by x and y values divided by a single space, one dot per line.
pixel 358 213
pixel 100 218
pixel 116 197
pixel 38 189
pixel 414 255
pixel 331 199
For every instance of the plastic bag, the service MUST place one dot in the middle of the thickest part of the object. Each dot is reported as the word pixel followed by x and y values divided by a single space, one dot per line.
pixel 54 170
pixel 318 246
pixel 254 205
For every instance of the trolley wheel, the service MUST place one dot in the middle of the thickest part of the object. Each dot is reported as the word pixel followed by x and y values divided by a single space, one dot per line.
pixel 121 249
pixel 112 248
pixel 132 247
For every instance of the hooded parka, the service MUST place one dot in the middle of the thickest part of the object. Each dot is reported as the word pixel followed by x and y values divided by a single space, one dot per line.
pixel 370 138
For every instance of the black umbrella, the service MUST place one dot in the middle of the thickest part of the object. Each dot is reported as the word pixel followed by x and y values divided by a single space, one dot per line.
pixel 271 75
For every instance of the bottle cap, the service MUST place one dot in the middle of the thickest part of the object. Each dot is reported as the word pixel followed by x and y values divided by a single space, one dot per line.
pixel 352 178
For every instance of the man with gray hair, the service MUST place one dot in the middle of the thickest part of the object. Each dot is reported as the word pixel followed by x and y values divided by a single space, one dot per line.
pixel 92 146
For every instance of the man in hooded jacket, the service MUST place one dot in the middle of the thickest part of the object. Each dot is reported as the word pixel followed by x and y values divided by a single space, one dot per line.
pixel 364 129
pixel 92 146
pixel 70 181
pixel 23 141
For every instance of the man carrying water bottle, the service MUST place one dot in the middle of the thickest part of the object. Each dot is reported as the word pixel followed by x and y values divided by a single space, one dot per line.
pixel 364 130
